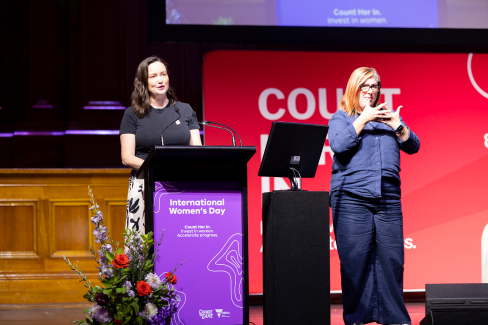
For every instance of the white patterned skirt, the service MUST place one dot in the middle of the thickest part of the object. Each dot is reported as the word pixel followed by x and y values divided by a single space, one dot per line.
pixel 135 218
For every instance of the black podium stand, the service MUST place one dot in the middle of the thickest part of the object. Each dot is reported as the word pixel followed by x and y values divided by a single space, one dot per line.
pixel 296 258
pixel 210 165
pixel 296 282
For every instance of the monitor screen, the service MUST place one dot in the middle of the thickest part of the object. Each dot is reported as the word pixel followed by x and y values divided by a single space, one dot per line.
pixel 331 13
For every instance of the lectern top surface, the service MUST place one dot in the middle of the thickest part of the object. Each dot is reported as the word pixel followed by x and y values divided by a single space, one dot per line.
pixel 202 154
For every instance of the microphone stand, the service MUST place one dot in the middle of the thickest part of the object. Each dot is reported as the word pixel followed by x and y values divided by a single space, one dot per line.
pixel 177 110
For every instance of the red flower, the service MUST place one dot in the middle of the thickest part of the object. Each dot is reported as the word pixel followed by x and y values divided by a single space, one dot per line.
pixel 121 261
pixel 171 278
pixel 143 289
pixel 117 322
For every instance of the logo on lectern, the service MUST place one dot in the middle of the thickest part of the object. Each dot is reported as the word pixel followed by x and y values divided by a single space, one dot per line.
pixel 222 313
pixel 205 313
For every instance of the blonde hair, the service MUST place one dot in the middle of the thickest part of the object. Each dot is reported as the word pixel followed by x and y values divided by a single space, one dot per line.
pixel 350 100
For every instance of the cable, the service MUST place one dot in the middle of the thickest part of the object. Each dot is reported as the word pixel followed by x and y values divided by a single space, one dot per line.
pixel 300 176
pixel 292 178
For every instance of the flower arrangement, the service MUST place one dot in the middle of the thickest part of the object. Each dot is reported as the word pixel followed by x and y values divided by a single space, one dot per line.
pixel 130 293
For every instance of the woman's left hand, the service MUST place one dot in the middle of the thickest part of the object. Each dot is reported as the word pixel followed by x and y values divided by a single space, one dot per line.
pixel 393 122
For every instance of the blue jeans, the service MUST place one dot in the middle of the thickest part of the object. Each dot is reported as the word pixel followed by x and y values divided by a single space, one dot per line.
pixel 369 235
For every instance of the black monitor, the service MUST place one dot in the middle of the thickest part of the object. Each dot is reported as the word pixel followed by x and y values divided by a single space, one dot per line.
pixel 293 150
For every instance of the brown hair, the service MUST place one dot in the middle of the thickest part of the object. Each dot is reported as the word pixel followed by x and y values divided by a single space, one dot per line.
pixel 140 94
pixel 350 101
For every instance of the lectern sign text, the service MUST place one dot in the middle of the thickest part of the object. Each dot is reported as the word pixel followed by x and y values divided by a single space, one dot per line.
pixel 202 226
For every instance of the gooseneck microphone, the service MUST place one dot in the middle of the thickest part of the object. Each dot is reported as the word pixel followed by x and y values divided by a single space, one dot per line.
pixel 208 122
pixel 225 127
pixel 218 127
pixel 177 110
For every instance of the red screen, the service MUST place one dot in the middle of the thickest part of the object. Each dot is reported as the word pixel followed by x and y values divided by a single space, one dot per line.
pixel 445 102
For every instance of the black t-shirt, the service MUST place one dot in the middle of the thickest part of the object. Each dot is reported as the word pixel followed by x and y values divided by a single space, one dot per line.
pixel 148 129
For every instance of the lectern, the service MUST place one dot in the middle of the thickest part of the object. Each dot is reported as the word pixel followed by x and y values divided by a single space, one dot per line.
pixel 295 230
pixel 197 195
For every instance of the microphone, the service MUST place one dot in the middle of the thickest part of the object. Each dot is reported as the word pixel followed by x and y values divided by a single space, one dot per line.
pixel 240 140
pixel 177 110
pixel 226 128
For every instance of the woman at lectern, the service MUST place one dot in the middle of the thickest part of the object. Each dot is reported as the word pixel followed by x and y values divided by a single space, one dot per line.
pixel 366 138
pixel 154 109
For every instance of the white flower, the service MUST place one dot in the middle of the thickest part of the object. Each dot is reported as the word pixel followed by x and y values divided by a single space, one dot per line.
pixel 150 309
pixel 153 280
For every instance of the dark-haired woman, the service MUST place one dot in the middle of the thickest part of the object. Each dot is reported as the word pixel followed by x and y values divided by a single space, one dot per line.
pixel 154 107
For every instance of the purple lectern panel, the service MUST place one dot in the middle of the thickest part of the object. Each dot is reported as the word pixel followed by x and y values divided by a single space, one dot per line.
pixel 202 226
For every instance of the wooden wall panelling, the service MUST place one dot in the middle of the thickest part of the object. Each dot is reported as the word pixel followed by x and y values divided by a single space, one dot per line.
pixel 71 228
pixel 18 229
pixel 116 219
pixel 45 288
pixel 61 202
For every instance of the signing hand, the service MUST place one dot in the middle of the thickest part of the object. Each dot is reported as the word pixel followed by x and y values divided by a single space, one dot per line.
pixel 375 113
pixel 394 120
pixel 371 114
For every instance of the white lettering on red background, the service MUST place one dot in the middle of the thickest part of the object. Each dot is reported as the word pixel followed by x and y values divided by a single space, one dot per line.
pixel 291 102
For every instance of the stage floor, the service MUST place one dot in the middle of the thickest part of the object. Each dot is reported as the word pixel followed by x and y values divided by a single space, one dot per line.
pixel 64 316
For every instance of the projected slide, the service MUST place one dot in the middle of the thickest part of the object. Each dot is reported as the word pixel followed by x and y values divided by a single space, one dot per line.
pixel 331 13
pixel 354 13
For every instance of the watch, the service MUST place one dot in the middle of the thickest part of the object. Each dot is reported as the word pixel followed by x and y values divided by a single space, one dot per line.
pixel 399 129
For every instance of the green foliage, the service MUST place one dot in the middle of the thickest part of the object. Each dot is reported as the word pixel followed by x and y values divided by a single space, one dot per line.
pixel 88 283
pixel 110 256
pixel 89 296
pixel 141 263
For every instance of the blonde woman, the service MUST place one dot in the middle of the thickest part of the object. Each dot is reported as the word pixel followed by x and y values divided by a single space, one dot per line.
pixel 367 137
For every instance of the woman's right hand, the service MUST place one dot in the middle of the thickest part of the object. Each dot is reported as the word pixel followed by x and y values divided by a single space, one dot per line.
pixel 375 113
pixel 370 114
pixel 128 151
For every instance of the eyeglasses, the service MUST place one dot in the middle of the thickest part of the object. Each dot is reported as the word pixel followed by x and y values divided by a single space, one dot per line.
pixel 374 88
